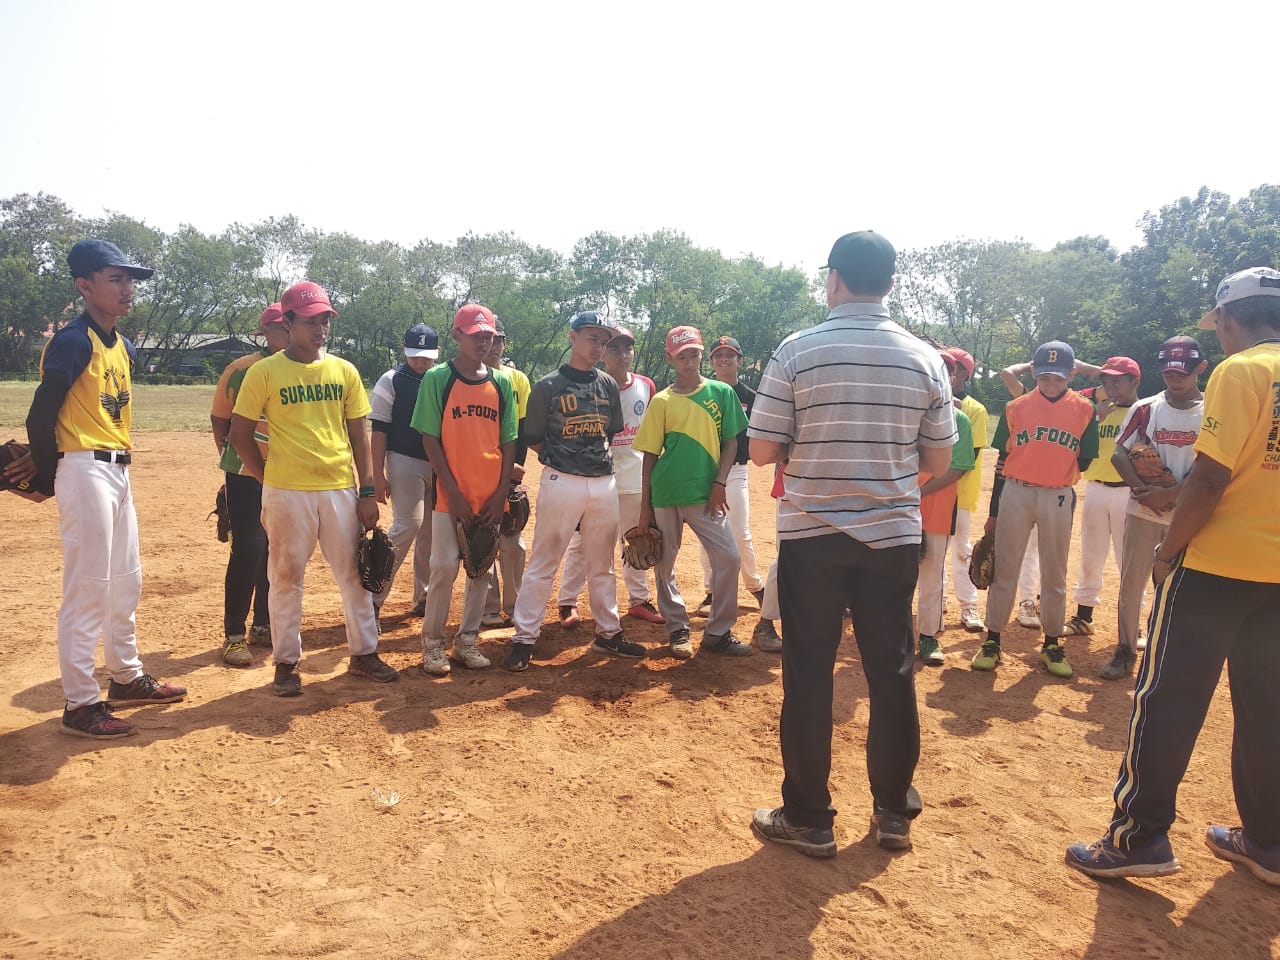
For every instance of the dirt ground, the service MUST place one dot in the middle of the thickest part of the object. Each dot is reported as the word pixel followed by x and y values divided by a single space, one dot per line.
pixel 587 808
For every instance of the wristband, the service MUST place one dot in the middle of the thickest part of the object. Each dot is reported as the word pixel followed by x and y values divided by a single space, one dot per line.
pixel 366 492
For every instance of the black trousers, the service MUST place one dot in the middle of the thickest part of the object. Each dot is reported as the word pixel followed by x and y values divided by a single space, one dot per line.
pixel 246 580
pixel 817 578
pixel 1198 620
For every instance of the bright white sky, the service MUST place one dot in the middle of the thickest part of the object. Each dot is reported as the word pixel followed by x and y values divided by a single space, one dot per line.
pixel 763 128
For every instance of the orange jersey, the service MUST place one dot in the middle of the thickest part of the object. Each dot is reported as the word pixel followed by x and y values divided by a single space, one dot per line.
pixel 1044 439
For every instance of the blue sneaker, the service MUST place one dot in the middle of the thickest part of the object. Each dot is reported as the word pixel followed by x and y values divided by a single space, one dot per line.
pixel 1230 843
pixel 1105 859
pixel 773 825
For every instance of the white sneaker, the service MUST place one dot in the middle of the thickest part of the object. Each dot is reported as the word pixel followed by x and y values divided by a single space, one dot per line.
pixel 464 652
pixel 434 661
pixel 970 619
pixel 1029 614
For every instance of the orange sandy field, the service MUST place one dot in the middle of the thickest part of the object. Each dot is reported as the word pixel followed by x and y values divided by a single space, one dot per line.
pixel 587 808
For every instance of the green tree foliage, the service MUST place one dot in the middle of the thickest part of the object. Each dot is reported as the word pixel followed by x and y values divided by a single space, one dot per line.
pixel 997 299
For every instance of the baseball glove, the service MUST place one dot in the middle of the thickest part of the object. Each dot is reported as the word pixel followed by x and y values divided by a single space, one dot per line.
pixel 982 564
pixel 9 452
pixel 478 545
pixel 642 549
pixel 517 515
pixel 375 560
pixel 223 513
pixel 1147 464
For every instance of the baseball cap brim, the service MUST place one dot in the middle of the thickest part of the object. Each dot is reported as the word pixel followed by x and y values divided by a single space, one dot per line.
pixel 433 353
pixel 1048 371
pixel 1209 321
pixel 315 308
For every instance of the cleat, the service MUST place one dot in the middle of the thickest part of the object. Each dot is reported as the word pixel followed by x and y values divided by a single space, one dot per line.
pixel 1029 614
pixel 1120 666
pixel 765 637
pixel 727 644
pixel 260 636
pixel 235 653
pixel 372 667
pixel 517 658
pixel 1054 659
pixel 287 683
pixel 988 657
pixel 647 612
pixel 145 689
pixel 681 645
pixel 970 619
pixel 1079 627
pixel 95 721
pixel 704 608
pixel 930 652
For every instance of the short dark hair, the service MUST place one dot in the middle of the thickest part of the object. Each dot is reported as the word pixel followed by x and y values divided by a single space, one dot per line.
pixel 866 286
pixel 1254 312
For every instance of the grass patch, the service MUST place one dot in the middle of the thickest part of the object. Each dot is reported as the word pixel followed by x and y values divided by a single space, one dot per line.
pixel 155 408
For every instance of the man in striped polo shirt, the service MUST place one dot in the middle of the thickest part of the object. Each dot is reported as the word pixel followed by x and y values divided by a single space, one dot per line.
pixel 856 406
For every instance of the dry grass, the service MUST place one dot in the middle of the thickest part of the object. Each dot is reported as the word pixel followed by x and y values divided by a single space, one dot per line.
pixel 156 408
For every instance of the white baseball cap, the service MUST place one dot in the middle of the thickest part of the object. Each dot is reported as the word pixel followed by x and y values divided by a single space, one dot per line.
pixel 1254 282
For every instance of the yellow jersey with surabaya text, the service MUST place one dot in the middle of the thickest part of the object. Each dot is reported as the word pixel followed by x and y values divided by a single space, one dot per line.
pixel 306 406
pixel 1241 431
pixel 1109 426
pixel 686 431
pixel 97 412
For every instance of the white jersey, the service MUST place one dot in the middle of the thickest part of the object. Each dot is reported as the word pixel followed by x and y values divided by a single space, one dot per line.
pixel 628 464
pixel 1171 431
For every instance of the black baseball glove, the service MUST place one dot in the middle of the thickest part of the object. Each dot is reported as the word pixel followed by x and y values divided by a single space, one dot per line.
pixel 982 564
pixel 223 513
pixel 375 560
pixel 517 515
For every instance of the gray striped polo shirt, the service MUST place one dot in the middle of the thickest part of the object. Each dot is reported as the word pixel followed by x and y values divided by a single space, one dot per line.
pixel 851 398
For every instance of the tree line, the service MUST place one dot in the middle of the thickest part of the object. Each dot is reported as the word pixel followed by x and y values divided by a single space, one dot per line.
pixel 997 299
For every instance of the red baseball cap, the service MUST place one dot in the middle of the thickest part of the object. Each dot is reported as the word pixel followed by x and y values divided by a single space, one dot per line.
pixel 680 337
pixel 1121 367
pixel 963 359
pixel 474 318
pixel 306 299
pixel 622 333
pixel 273 314
pixel 948 360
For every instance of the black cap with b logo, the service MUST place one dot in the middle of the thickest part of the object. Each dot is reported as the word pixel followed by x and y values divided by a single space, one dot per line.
pixel 421 340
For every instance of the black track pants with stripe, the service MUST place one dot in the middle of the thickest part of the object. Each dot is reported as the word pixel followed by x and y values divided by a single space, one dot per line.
pixel 1198 621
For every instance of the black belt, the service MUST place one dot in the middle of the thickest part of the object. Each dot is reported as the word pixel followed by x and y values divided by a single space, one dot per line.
pixel 123 457
pixel 1113 483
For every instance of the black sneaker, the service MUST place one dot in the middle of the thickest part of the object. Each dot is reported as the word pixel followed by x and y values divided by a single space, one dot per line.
pixel 892 830
pixel 287 682
pixel 618 646
pixel 95 722
pixel 725 643
pixel 145 689
pixel 419 608
pixel 373 667
pixel 774 826
pixel 1120 665
pixel 517 658
pixel 704 608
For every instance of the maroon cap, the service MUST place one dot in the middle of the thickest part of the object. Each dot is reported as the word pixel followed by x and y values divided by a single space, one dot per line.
pixel 963 358
pixel 273 314
pixel 1180 353
pixel 306 299
pixel 1121 367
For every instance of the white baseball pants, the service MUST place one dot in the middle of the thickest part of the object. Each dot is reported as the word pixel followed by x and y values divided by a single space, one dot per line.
pixel 575 562
pixel 445 560
pixel 931 585
pixel 1048 512
pixel 738 499
pixel 1029 574
pixel 961 552
pixel 566 501
pixel 770 610
pixel 1101 525
pixel 410 480
pixel 511 559
pixel 101 574
pixel 295 521
pixel 1141 537
pixel 714 534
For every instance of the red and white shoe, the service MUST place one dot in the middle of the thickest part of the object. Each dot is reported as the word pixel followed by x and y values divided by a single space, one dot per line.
pixel 569 616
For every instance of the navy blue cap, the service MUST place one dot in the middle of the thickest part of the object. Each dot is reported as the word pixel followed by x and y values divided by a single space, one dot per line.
pixel 590 318
pixel 421 340
pixel 90 255
pixel 1054 357
pixel 865 261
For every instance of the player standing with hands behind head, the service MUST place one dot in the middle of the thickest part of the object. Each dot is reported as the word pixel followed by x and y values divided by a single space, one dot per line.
pixel 316 408
pixel 78 428
pixel 1044 439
